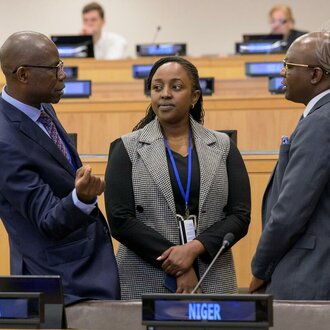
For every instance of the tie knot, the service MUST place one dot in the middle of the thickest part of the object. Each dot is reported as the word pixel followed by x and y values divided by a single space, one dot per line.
pixel 44 118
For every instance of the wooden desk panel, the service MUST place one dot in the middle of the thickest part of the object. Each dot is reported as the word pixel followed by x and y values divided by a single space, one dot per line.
pixel 260 120
pixel 259 168
pixel 227 67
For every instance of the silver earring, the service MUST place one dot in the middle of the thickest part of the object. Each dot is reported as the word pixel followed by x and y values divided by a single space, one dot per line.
pixel 192 106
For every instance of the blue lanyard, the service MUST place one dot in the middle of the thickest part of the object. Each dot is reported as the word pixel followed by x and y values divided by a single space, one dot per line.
pixel 184 194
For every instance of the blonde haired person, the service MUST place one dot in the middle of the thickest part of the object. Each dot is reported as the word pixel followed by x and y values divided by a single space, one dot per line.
pixel 282 22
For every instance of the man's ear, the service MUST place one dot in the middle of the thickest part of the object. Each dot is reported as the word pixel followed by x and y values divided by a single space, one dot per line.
pixel 317 75
pixel 22 74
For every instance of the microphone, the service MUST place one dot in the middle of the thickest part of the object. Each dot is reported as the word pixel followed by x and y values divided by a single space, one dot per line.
pixel 156 34
pixel 227 240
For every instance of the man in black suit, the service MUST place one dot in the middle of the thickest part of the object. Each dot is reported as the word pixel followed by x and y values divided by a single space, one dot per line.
pixel 48 200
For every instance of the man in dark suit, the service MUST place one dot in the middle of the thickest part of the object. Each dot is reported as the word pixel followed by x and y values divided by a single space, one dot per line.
pixel 48 200
pixel 293 254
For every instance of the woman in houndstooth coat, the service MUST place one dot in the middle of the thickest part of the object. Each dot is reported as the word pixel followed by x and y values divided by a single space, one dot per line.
pixel 173 173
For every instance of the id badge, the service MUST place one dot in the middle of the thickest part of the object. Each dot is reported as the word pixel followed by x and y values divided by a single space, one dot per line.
pixel 186 228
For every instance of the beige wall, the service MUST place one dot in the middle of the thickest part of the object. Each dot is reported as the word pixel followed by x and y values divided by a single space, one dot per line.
pixel 209 26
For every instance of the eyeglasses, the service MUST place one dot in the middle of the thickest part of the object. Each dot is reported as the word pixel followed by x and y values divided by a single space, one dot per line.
pixel 59 67
pixel 279 21
pixel 287 65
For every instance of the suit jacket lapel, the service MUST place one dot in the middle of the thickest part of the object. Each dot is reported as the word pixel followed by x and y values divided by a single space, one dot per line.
pixel 28 127
pixel 208 159
pixel 35 133
pixel 153 154
pixel 325 99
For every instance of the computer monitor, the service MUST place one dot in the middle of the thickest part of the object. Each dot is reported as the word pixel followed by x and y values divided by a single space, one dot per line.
pixel 74 46
pixel 77 89
pixel 258 69
pixel 50 286
pixel 207 85
pixel 164 49
pixel 23 310
pixel 259 37
pixel 204 311
pixel 275 85
pixel 141 71
pixel 260 47
pixel 71 72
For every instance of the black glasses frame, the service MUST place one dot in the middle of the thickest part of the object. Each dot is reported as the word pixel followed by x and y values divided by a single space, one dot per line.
pixel 59 67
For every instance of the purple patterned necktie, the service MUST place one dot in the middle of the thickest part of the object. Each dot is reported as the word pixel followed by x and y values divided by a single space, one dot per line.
pixel 53 133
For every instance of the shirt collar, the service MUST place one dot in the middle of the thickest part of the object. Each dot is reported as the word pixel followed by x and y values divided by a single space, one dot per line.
pixel 28 110
pixel 313 101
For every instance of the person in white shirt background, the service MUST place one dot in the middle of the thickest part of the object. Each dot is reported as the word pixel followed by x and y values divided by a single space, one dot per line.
pixel 107 45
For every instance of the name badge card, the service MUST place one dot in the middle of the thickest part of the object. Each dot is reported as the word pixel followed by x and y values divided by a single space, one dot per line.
pixel 187 228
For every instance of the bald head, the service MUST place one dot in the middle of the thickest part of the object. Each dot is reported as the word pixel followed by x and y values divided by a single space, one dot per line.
pixel 22 48
pixel 308 71
pixel 32 67
pixel 315 47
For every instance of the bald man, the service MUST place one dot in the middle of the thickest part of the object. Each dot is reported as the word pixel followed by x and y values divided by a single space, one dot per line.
pixel 48 200
pixel 293 255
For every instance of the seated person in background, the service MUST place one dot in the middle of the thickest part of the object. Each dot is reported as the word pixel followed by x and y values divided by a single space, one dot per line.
pixel 48 200
pixel 107 45
pixel 282 22
pixel 148 193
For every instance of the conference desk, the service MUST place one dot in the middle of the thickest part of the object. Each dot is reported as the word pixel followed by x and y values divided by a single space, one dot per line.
pixel 259 120
pixel 259 168
pixel 244 105
pixel 127 315
pixel 118 103
pixel 219 67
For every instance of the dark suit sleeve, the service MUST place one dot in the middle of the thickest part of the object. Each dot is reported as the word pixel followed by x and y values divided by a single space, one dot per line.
pixel 238 208
pixel 27 193
pixel 304 180
pixel 120 208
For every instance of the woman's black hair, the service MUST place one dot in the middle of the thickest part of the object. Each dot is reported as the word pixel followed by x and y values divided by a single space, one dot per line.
pixel 197 112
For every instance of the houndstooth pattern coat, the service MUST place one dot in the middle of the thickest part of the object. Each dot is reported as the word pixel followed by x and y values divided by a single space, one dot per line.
pixel 152 189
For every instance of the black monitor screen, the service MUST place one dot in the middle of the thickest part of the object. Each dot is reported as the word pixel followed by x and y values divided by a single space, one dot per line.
pixel 77 89
pixel 263 68
pixel 260 47
pixel 50 286
pixel 71 72
pixel 165 49
pixel 259 37
pixel 74 46
pixel 275 85
pixel 207 85
pixel 21 310
pixel 203 311
pixel 141 71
